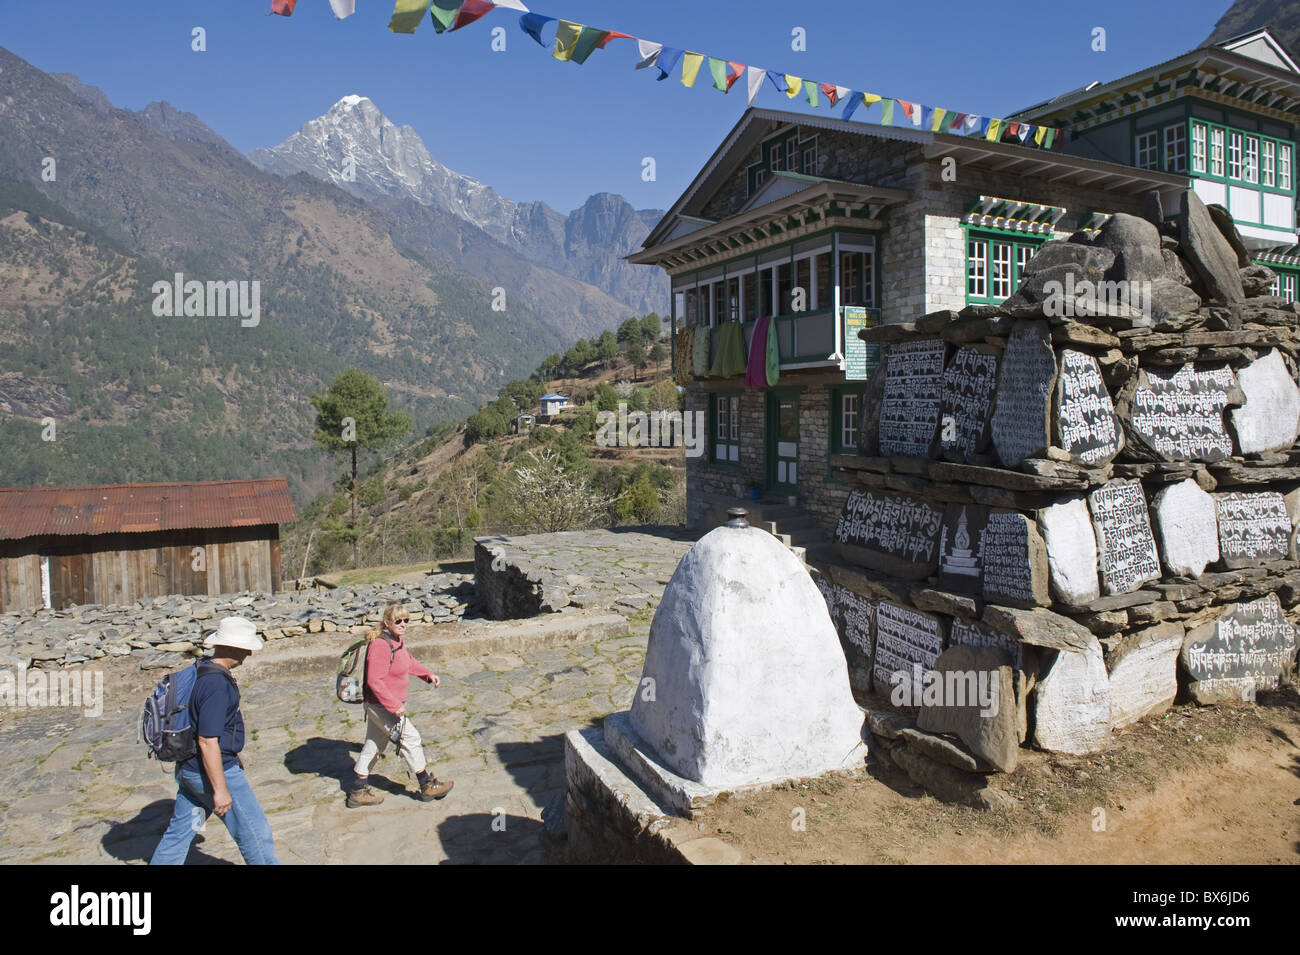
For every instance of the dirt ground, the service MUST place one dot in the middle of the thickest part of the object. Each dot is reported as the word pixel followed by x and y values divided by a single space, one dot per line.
pixel 1194 785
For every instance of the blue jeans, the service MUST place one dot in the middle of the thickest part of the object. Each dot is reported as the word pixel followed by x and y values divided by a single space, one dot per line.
pixel 194 803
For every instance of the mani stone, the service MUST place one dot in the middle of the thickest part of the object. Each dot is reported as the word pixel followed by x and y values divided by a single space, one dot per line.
pixel 1071 703
pixel 907 643
pixel 1254 527
pixel 909 410
pixel 748 675
pixel 1086 426
pixel 1187 528
pixel 977 703
pixel 975 634
pixel 1143 670
pixel 895 534
pixel 1071 551
pixel 1020 425
pixel 969 382
pixel 961 548
pixel 1247 649
pixel 1015 561
pixel 1211 256
pixel 1126 549
pixel 1178 413
pixel 1269 419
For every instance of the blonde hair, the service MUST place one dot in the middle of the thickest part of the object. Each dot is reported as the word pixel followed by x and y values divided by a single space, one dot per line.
pixel 390 614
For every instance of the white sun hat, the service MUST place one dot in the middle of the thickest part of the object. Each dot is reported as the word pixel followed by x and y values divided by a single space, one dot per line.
pixel 235 632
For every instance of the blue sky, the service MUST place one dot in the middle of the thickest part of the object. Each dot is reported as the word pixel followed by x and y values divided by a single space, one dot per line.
pixel 535 128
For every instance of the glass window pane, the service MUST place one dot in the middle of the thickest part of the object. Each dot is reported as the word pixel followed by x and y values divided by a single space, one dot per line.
pixel 1216 152
pixel 825 294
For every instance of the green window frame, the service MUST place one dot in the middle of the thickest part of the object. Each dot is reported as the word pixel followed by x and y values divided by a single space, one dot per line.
pixel 994 262
pixel 724 429
pixel 785 152
pixel 1287 283
pixel 1242 157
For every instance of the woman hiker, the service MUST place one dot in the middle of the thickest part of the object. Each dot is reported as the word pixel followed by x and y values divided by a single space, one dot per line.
pixel 389 667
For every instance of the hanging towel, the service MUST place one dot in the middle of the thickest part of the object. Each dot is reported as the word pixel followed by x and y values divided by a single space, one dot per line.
pixel 756 373
pixel 700 351
pixel 773 356
pixel 682 359
pixel 730 360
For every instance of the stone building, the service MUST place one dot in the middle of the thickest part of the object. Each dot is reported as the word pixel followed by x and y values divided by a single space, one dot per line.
pixel 829 226
pixel 1224 114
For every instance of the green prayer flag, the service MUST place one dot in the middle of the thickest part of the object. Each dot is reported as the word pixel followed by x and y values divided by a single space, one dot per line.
pixel 444 14
pixel 811 89
pixel 566 38
pixel 887 112
pixel 407 15
pixel 1049 138
pixel 719 70
pixel 588 40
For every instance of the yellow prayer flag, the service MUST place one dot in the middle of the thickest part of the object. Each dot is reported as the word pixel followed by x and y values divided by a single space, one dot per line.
pixel 691 63
pixel 793 85
pixel 566 38
pixel 1038 136
pixel 995 130
pixel 936 124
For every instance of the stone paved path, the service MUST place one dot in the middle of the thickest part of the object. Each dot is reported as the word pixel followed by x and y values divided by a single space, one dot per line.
pixel 78 789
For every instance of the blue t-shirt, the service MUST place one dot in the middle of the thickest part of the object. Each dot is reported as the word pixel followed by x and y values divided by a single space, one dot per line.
pixel 214 706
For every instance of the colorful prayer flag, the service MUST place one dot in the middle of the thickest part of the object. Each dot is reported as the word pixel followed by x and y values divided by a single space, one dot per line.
pixel 566 38
pixel 793 84
pixel 832 92
pixel 283 8
pixel 734 71
pixel 669 57
pixel 718 69
pixel 444 13
pixel 470 11
pixel 530 23
pixel 589 39
pixel 887 113
pixel 1038 136
pixel 691 68
pixel 843 91
pixel 995 130
pixel 851 103
pixel 754 78
pixel 512 4
pixel 810 90
pixel 936 123
pixel 778 80
pixel 343 8
pixel 407 15
pixel 649 53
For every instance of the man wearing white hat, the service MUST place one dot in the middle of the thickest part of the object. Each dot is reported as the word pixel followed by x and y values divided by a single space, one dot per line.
pixel 214 780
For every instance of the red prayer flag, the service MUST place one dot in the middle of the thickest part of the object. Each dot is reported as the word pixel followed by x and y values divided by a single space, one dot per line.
pixel 1013 128
pixel 734 72
pixel 907 108
pixel 283 8
pixel 828 90
pixel 470 11
pixel 614 35
pixel 957 120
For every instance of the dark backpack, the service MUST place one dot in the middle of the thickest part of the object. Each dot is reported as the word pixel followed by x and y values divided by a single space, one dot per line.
pixel 166 723
pixel 347 686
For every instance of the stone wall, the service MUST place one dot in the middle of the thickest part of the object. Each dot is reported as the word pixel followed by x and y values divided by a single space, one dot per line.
pixel 1092 503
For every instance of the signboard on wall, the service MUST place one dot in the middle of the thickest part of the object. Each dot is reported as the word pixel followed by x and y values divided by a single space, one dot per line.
pixel 860 358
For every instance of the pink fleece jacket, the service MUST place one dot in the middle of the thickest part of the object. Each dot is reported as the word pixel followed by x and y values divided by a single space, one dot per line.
pixel 388 683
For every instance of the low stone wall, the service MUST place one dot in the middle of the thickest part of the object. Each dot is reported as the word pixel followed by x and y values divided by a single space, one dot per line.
pixel 164 631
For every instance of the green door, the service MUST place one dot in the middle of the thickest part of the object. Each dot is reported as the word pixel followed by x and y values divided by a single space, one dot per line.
pixel 783 443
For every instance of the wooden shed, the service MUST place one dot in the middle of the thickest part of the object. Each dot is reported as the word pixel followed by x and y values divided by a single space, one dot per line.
pixel 112 544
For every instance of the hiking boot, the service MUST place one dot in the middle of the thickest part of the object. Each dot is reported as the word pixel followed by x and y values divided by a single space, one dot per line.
pixel 365 796
pixel 434 789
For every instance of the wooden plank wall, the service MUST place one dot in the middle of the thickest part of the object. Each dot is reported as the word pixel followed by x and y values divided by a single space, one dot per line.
pixel 121 568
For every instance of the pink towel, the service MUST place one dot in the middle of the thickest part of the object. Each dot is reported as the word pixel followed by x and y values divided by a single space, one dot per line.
pixel 756 370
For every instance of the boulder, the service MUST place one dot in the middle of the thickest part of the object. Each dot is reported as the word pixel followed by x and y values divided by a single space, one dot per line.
pixel 1270 417
pixel 1222 219
pixel 1209 253
pixel 1136 244
pixel 1143 672
pixel 1186 528
pixel 977 703
pixel 1071 703
pixel 1257 280
pixel 1071 551
pixel 750 683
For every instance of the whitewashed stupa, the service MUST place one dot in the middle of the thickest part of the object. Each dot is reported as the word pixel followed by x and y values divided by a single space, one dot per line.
pixel 745 682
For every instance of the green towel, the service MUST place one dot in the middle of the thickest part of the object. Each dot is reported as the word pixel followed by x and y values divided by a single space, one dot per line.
pixel 700 351
pixel 773 355
pixel 730 360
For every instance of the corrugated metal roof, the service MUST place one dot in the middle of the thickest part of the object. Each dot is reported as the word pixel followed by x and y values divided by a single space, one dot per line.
pixel 139 508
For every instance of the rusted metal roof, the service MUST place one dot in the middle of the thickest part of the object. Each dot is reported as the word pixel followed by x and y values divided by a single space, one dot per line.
pixel 139 508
